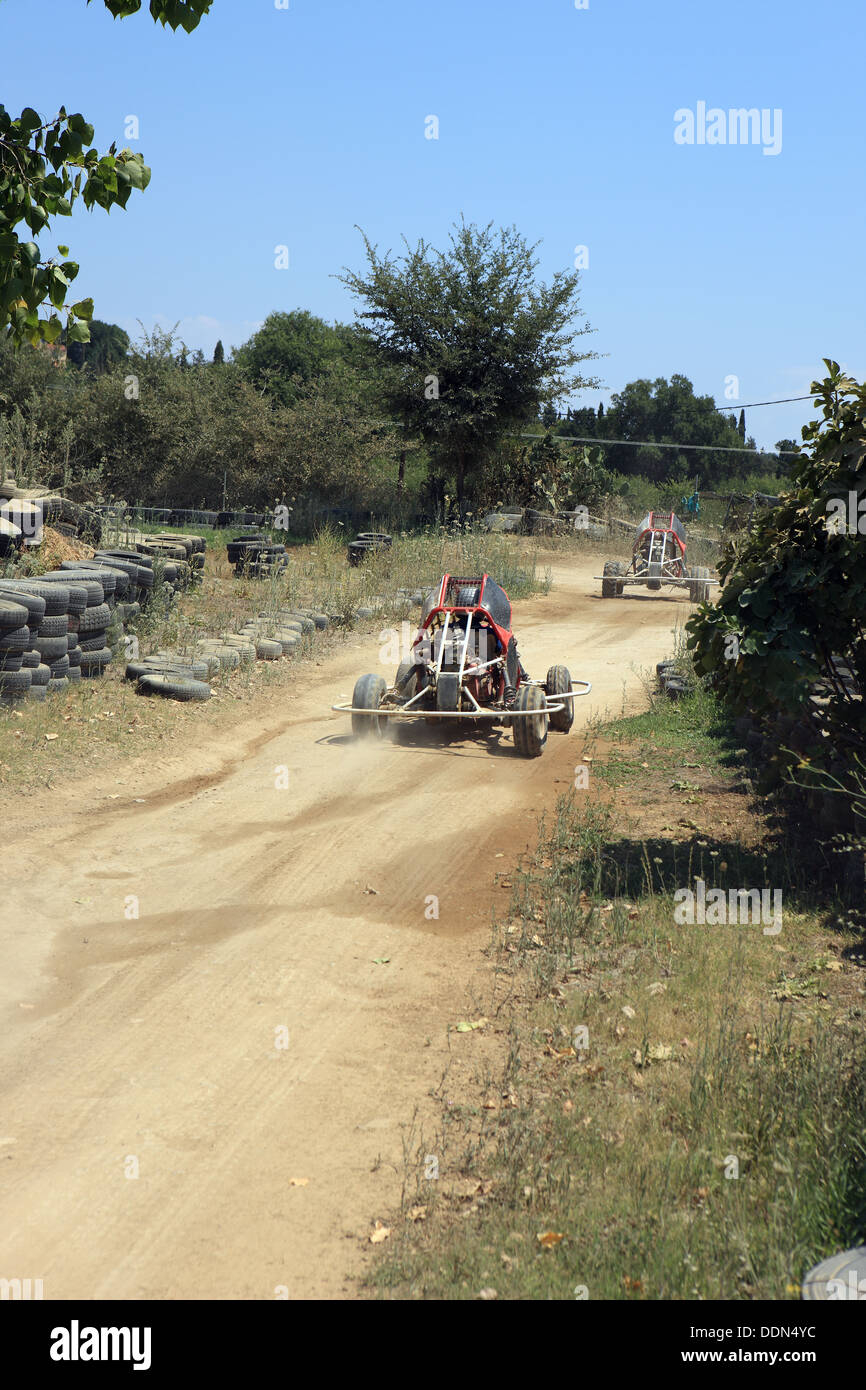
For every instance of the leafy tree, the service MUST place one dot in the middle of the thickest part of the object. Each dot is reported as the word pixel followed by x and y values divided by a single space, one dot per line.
pixel 792 607
pixel 108 346
pixel 546 474
pixel 784 462
pixel 183 427
pixel 470 344
pixel 219 355
pixel 45 166
pixel 741 428
pixel 580 422
pixel 669 412
pixel 291 349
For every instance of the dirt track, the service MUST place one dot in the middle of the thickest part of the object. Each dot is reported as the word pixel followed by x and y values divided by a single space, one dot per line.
pixel 153 1038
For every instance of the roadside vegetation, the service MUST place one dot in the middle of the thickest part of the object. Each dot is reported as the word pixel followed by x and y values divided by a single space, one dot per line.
pixel 681 1109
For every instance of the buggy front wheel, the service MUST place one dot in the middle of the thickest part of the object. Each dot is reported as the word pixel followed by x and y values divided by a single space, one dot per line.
pixel 558 682
pixel 367 695
pixel 530 727
pixel 611 584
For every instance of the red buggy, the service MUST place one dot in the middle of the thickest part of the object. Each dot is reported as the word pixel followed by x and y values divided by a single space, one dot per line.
pixel 464 664
pixel 658 557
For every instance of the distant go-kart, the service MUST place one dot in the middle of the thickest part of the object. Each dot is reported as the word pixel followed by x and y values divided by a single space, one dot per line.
pixel 658 557
pixel 464 665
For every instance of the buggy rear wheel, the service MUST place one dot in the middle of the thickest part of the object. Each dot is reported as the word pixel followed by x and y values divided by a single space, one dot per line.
pixel 558 682
pixel 367 694
pixel 530 728
pixel 406 681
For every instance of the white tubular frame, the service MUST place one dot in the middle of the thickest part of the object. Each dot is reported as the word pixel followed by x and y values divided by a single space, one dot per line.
pixel 502 715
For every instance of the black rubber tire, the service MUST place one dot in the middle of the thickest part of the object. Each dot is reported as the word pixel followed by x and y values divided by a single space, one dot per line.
pixel 613 569
pixel 675 687
pixel 95 619
pixel 75 655
pixel 448 692
pixel 34 605
pixel 227 656
pixel 41 674
pixel 30 659
pixel 558 682
pixel 13 682
pixel 94 663
pixel 358 551
pixel 108 579
pixel 51 648
pixel 56 599
pixel 78 596
pixel 665 668
pixel 37 692
pixel 58 668
pixel 94 642
pixel 88 580
pixel 56 596
pixel 367 694
pixel 12 615
pixel 58 687
pixel 13 661
pixel 16 640
pixel 174 687
pixel 406 679
pixel 164 666
pixel 530 733
pixel 55 626
pixel 307 624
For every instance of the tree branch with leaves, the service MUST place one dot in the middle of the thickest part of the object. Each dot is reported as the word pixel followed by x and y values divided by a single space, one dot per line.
pixel 45 167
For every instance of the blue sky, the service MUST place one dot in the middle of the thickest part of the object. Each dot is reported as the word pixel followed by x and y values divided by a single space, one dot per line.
pixel 271 127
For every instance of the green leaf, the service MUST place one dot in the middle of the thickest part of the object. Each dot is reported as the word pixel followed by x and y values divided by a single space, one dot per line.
pixel 83 309
pixel 77 332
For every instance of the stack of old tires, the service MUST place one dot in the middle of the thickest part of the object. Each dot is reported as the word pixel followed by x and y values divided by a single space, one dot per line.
pixel 673 680
pixel 256 557
pixel 116 586
pixel 365 543
pixel 172 676
pixel 88 620
pixel 139 569
pixel 63 636
pixel 15 642
pixel 190 550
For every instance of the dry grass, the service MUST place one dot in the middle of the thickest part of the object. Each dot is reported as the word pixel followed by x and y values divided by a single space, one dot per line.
pixel 703 1137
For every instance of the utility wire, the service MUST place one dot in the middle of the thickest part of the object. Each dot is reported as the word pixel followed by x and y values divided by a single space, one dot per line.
pixel 813 395
pixel 655 444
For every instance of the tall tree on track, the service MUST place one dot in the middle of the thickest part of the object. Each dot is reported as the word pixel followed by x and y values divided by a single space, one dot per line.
pixel 471 345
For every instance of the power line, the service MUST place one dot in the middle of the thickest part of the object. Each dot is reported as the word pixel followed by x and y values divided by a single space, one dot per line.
pixel 750 405
pixel 655 444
